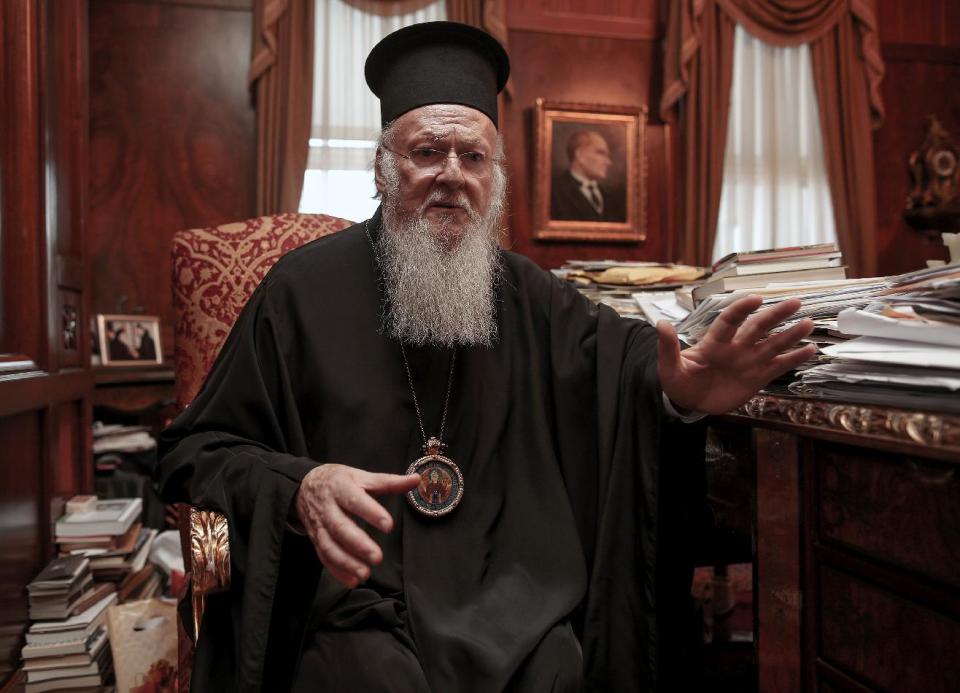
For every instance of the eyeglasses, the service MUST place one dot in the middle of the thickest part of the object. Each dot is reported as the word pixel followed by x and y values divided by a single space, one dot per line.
pixel 431 161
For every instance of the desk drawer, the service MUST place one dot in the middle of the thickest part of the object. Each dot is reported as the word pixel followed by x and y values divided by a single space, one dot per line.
pixel 891 642
pixel 902 510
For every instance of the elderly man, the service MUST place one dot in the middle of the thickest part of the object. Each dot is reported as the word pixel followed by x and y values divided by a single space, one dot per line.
pixel 411 348
pixel 581 193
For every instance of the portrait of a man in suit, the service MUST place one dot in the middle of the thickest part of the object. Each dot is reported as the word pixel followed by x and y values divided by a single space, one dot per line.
pixel 586 191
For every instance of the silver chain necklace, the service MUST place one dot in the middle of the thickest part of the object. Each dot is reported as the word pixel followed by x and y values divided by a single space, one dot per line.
pixel 441 482
pixel 416 405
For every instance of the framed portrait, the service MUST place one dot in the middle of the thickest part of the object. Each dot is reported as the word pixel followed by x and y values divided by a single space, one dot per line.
pixel 129 340
pixel 589 172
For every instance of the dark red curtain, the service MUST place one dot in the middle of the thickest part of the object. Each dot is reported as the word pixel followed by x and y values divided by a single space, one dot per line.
pixel 281 75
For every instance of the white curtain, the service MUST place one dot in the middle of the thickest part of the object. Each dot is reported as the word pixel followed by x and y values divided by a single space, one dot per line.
pixel 343 106
pixel 775 191
pixel 346 115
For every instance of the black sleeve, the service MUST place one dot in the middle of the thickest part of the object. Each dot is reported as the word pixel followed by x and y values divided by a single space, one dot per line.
pixel 633 480
pixel 239 449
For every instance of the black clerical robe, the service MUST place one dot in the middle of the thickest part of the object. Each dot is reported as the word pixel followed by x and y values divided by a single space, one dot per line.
pixel 557 430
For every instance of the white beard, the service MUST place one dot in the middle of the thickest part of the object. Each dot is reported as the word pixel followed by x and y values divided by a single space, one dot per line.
pixel 440 293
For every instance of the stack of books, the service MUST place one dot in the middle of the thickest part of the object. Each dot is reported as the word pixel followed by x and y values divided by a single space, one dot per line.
pixel 760 268
pixel 108 533
pixel 60 589
pixel 71 652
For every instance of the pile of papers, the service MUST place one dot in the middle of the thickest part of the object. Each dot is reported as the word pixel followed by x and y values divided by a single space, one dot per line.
pixel 821 301
pixel 660 305
pixel 617 274
pixel 117 438
pixel 891 341
pixel 613 282
pixel 902 348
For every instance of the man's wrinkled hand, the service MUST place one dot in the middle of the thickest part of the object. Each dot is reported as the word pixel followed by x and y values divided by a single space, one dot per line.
pixel 735 358
pixel 329 498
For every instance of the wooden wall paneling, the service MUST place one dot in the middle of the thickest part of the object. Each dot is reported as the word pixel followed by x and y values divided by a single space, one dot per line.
pixel 66 478
pixel 583 69
pixel 912 89
pixel 23 531
pixel 920 45
pixel 778 562
pixel 65 115
pixel 172 140
pixel 933 22
pixel 626 19
pixel 45 380
pixel 22 251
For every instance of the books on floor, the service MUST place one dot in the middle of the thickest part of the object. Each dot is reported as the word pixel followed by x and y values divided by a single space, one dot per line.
pixel 114 566
pixel 56 592
pixel 88 667
pixel 106 518
pixel 142 584
pixel 78 626
pixel 99 544
pixel 71 652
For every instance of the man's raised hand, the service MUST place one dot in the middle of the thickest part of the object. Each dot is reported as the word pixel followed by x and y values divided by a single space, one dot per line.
pixel 328 499
pixel 735 358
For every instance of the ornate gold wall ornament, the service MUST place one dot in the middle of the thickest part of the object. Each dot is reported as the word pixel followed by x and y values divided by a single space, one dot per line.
pixel 933 202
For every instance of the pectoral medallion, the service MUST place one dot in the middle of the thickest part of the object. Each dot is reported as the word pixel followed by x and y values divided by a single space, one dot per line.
pixel 441 482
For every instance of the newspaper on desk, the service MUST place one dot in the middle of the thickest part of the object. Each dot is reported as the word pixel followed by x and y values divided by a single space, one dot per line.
pixel 660 305
pixel 819 301
pixel 903 347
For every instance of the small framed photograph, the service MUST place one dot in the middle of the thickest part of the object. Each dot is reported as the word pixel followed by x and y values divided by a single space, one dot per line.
pixel 129 340
pixel 589 172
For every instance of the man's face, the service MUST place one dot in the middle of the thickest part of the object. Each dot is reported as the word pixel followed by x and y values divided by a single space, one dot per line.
pixel 593 158
pixel 447 197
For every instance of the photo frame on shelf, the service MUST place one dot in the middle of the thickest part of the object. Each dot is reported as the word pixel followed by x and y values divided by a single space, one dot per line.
pixel 589 172
pixel 129 340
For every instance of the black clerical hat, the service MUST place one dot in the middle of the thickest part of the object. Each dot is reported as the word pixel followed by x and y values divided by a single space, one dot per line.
pixel 437 62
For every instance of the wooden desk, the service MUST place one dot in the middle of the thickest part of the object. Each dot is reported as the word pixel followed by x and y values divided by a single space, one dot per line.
pixel 857 541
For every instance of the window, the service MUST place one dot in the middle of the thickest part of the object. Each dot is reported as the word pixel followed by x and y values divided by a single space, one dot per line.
pixel 346 116
pixel 775 189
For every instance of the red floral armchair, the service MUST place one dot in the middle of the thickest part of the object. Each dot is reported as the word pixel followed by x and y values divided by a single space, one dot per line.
pixel 215 270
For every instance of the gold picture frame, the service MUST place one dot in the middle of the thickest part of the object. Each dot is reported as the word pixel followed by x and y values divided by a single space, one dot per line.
pixel 589 172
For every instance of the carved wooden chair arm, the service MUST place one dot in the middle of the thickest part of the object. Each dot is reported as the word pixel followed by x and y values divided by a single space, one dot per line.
pixel 205 540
